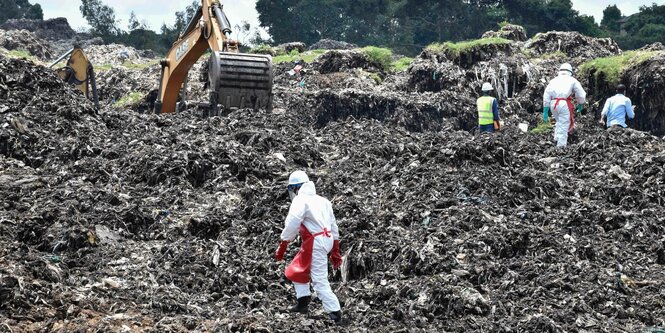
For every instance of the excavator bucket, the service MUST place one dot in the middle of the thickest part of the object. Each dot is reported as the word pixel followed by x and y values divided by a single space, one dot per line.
pixel 79 72
pixel 239 80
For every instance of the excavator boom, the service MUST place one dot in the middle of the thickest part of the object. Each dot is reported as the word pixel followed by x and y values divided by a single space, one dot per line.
pixel 237 80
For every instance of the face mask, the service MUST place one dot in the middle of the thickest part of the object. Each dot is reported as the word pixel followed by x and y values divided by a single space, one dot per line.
pixel 292 194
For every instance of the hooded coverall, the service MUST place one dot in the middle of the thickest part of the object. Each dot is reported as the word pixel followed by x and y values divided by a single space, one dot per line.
pixel 312 216
pixel 558 96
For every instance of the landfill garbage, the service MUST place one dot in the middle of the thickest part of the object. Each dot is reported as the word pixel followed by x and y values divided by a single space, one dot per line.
pixel 329 44
pixel 24 40
pixel 121 220
pixel 523 127
pixel 508 31
pixel 288 47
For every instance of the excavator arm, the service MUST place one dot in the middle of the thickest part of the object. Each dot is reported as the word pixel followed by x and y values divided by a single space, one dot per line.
pixel 236 79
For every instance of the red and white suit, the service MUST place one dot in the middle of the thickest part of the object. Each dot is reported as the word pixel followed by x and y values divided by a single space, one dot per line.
pixel 312 217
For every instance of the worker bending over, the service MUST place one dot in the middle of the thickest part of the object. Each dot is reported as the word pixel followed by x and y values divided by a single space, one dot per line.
pixel 558 98
pixel 617 108
pixel 488 110
pixel 311 216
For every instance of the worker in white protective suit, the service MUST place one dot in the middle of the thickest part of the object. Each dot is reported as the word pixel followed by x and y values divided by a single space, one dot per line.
pixel 558 98
pixel 311 216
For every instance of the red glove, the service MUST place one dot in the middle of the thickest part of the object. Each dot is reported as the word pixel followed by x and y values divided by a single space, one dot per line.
pixel 335 255
pixel 279 255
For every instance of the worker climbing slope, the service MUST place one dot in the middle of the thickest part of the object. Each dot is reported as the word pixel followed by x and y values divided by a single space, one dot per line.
pixel 558 98
pixel 311 216
pixel 488 110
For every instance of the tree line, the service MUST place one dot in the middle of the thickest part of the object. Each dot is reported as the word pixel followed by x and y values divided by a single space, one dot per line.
pixel 103 23
pixel 406 26
pixel 19 9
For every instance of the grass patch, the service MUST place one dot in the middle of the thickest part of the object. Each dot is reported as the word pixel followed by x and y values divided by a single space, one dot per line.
pixel 102 67
pixel 21 54
pixel 307 56
pixel 141 65
pixel 612 67
pixel 553 55
pixel 382 56
pixel 130 99
pixel 542 128
pixel 458 48
pixel 401 64
pixel 262 49
pixel 376 77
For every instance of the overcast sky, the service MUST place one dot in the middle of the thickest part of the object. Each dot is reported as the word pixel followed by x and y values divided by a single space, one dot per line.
pixel 157 12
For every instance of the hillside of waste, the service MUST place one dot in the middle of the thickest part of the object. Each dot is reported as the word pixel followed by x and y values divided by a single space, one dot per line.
pixel 122 220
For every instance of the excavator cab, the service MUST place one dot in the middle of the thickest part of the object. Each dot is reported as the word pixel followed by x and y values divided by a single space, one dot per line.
pixel 236 80
pixel 79 72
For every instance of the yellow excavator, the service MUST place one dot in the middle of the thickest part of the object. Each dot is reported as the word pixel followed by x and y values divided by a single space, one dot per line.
pixel 78 72
pixel 236 80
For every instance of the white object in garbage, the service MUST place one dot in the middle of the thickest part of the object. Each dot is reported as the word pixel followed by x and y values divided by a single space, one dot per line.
pixel 523 127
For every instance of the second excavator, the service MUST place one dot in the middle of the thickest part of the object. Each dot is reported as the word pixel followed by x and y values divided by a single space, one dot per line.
pixel 236 80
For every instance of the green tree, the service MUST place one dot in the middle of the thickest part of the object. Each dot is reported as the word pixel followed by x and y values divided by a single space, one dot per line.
pixel 33 12
pixel 611 17
pixel 100 17
pixel 645 27
pixel 133 22
pixel 19 9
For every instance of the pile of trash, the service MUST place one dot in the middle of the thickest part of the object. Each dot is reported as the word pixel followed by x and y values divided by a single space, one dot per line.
pixel 345 60
pixel 509 31
pixel 645 82
pixel 329 44
pixel 117 54
pixel 24 40
pixel 288 47
pixel 573 44
pixel 51 29
pixel 54 35
pixel 121 220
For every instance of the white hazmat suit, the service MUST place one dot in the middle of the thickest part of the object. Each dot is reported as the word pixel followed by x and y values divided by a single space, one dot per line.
pixel 312 216
pixel 558 97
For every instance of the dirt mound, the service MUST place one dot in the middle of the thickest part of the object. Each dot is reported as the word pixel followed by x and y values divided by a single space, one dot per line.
pixel 345 60
pixel 405 110
pixel 127 88
pixel 288 47
pixel 573 44
pixel 25 89
pixel 645 83
pixel 26 41
pixel 51 29
pixel 60 47
pixel 653 47
pixel 510 31
pixel 329 44
pixel 428 75
pixel 116 54
pixel 467 55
